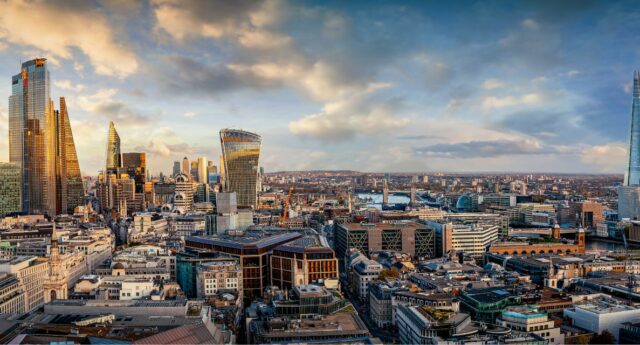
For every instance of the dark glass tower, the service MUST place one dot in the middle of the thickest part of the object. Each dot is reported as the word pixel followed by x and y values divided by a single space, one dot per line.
pixel 632 176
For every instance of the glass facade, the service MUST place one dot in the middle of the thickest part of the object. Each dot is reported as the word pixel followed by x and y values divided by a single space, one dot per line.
pixel 74 193
pixel 632 176
pixel 240 153
pixel 32 137
pixel 113 150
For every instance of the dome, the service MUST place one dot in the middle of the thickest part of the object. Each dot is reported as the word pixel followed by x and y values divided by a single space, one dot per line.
pixel 118 266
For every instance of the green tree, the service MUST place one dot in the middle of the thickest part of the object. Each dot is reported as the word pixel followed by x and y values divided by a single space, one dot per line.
pixel 603 338
pixel 389 273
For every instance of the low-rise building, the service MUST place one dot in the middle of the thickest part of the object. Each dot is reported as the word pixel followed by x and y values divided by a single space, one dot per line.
pixel 216 275
pixel 363 273
pixel 530 320
pixel 602 314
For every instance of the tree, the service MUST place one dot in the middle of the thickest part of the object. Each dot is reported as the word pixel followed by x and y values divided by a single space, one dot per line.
pixel 603 338
pixel 389 273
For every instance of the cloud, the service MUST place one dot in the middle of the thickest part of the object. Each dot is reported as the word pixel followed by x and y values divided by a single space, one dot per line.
pixel 183 75
pixel 58 28
pixel 104 103
pixel 343 119
pixel 573 73
pixel 189 114
pixel 484 148
pixel 183 19
pixel 609 158
pixel 530 24
pixel 67 85
pixel 493 102
pixel 491 84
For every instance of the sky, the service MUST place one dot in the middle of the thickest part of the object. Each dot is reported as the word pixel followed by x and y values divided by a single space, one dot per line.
pixel 378 86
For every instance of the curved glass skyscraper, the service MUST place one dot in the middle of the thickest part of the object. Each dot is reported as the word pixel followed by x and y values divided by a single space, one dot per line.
pixel 632 176
pixel 240 154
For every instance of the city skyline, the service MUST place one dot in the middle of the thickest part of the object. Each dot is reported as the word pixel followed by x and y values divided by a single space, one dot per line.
pixel 351 89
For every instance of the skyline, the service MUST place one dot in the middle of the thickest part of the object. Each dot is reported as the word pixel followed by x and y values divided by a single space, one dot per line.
pixel 398 87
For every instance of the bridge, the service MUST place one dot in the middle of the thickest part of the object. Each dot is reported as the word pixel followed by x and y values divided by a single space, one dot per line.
pixel 540 231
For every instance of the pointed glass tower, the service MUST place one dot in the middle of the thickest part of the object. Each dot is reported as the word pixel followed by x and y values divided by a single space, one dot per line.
pixel 632 176
pixel 113 150
pixel 74 187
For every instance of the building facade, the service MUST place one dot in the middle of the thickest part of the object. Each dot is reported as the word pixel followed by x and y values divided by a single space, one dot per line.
pixel 32 136
pixel 241 153
pixel 10 192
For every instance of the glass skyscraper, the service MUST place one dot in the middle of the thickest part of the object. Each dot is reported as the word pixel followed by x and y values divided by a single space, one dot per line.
pixel 114 159
pixel 240 153
pixel 32 136
pixel 632 176
pixel 71 178
pixel 629 193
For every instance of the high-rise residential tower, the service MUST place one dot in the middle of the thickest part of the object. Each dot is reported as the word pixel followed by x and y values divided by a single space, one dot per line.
pixel 629 193
pixel 32 137
pixel 241 152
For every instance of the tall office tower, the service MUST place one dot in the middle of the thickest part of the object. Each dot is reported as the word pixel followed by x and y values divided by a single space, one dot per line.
pixel 212 173
pixel 135 165
pixel 629 193
pixel 9 188
pixel 241 152
pixel 185 166
pixel 31 136
pixel 176 168
pixel 114 158
pixel 74 188
pixel 202 170
pixel 194 171
pixel 222 176
pixel 183 197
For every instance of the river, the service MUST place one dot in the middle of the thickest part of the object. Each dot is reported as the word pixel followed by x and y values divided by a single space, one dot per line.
pixel 375 200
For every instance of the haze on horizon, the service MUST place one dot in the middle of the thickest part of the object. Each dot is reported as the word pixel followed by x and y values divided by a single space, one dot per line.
pixel 397 86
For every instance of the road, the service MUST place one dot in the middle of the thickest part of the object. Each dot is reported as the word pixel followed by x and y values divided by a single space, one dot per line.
pixel 387 337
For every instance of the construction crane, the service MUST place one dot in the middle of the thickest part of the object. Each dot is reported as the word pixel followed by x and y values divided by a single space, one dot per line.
pixel 285 208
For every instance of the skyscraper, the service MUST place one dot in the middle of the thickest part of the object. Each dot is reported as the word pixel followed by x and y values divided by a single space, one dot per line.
pixel 632 176
pixel 202 169
pixel 135 164
pixel 31 136
pixel 69 186
pixel 194 171
pixel 629 193
pixel 114 159
pixel 185 166
pixel 241 152
pixel 176 168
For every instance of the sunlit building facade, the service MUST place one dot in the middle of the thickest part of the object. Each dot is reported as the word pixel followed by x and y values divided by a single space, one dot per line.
pixel 31 136
pixel 114 159
pixel 241 152
pixel 69 186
